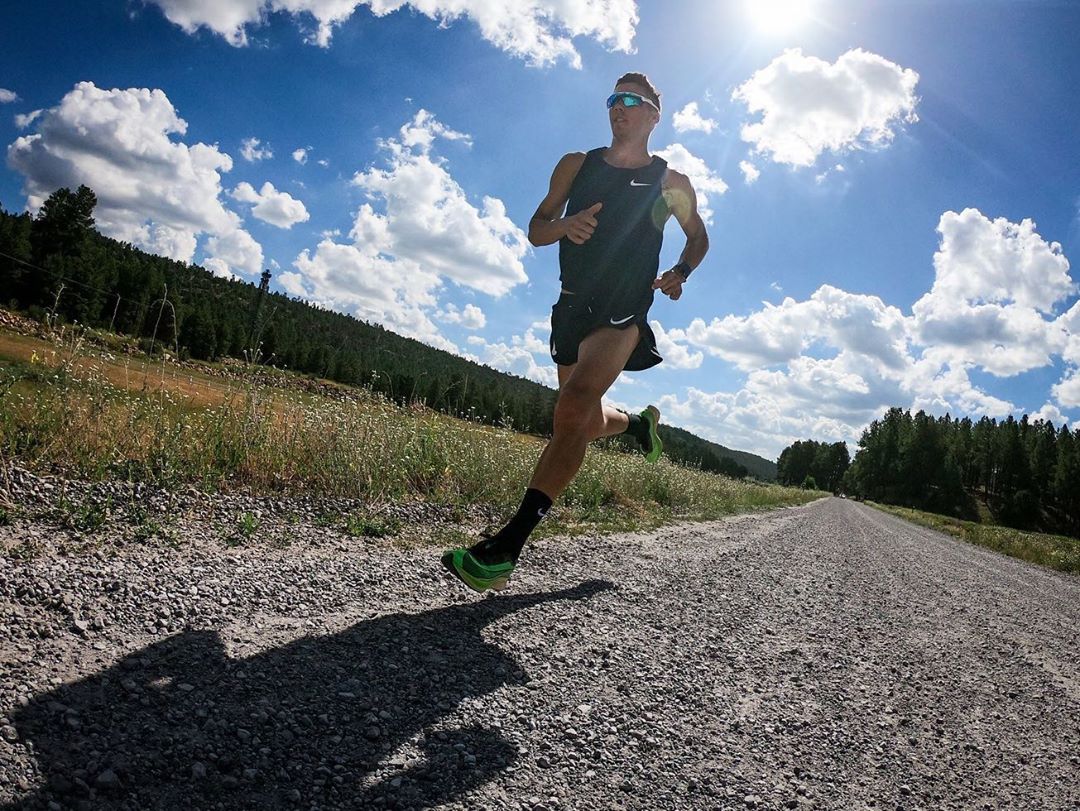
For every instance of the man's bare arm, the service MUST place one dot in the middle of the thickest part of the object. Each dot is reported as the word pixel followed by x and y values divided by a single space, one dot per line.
pixel 683 203
pixel 547 225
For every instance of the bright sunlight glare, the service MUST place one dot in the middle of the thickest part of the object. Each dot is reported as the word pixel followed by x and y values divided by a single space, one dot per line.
pixel 777 16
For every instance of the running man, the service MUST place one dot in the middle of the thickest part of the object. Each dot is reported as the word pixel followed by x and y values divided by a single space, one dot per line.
pixel 616 201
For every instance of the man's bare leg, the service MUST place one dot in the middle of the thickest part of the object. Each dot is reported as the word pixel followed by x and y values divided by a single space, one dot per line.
pixel 580 417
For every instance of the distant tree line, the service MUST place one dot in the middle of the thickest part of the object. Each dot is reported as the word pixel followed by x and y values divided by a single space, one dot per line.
pixel 102 283
pixel 56 264
pixel 710 457
pixel 1027 473
pixel 813 465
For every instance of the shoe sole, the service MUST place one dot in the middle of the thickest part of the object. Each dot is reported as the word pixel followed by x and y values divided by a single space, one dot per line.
pixel 497 584
pixel 652 416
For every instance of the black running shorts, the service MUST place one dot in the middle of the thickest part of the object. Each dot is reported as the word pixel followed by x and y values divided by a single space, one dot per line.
pixel 574 316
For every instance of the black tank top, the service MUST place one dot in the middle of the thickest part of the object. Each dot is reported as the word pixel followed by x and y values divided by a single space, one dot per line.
pixel 621 259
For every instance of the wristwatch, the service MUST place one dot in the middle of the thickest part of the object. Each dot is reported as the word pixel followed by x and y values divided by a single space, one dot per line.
pixel 684 270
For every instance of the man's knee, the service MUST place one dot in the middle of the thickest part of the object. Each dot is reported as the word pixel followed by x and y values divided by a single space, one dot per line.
pixel 577 409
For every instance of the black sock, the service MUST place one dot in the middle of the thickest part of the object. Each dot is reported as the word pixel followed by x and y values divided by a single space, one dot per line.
pixel 638 428
pixel 506 545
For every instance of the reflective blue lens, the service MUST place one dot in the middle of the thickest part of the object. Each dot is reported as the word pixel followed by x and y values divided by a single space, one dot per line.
pixel 628 99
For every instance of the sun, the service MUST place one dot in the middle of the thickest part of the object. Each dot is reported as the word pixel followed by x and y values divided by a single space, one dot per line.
pixel 778 16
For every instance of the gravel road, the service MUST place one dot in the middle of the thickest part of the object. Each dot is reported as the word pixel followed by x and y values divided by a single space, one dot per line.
pixel 826 656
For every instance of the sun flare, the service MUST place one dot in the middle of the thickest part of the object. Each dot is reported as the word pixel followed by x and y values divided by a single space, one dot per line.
pixel 778 16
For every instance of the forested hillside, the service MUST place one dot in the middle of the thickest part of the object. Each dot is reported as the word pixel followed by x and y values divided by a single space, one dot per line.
pixel 683 444
pixel 57 265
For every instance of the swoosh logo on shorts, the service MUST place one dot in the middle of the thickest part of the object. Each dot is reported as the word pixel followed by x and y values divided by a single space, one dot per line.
pixel 635 183
pixel 622 320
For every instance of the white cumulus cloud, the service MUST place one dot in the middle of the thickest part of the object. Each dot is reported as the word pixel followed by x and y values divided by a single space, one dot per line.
pixel 689 118
pixel 749 171
pixel 430 221
pixel 354 278
pixel 1069 324
pixel 301 155
pixel 702 178
pixel 417 231
pixel 1067 391
pixel 809 106
pixel 779 334
pixel 470 316
pixel 994 284
pixel 1050 413
pixel 539 31
pixel 675 353
pixel 237 249
pixel 153 190
pixel 22 121
pixel 8 96
pixel 252 150
pixel 824 367
pixel 524 355
pixel 270 205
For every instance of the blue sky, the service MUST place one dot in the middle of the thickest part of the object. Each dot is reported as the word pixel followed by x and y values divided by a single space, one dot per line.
pixel 892 187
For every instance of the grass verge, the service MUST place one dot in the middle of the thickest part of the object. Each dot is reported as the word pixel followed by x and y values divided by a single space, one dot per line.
pixel 95 416
pixel 1056 551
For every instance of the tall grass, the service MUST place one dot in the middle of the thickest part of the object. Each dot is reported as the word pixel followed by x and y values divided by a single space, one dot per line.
pixel 357 445
pixel 1056 551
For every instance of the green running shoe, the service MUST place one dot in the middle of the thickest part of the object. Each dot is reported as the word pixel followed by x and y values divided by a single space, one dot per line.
pixel 476 575
pixel 653 447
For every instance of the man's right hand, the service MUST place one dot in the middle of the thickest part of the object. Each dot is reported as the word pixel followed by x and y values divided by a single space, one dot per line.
pixel 580 226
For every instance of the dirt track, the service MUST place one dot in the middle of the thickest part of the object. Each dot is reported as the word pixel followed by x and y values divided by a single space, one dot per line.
pixel 827 656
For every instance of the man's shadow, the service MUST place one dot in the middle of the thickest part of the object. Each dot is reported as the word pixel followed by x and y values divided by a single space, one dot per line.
pixel 178 724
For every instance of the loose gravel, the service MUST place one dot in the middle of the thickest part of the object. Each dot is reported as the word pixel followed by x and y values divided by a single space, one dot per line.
pixel 826 656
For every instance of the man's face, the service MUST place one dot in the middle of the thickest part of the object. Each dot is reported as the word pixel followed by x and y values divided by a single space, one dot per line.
pixel 631 121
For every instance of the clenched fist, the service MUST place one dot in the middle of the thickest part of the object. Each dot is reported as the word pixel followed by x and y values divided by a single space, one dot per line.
pixel 580 226
pixel 670 284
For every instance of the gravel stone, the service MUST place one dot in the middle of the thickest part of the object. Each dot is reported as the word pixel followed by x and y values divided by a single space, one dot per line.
pixel 107 780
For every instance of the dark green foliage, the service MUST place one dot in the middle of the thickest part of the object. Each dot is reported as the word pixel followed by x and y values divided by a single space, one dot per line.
pixel 197 333
pixel 1027 474
pixel 16 278
pixel 166 304
pixel 369 526
pixel 821 464
pixel 64 224
pixel 686 448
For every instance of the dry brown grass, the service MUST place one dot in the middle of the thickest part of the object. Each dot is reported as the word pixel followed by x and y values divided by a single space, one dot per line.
pixel 98 414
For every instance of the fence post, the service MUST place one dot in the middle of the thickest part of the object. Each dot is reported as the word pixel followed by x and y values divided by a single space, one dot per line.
pixel 164 298
pixel 112 321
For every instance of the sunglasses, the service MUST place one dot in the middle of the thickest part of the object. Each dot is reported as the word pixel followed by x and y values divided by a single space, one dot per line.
pixel 629 100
